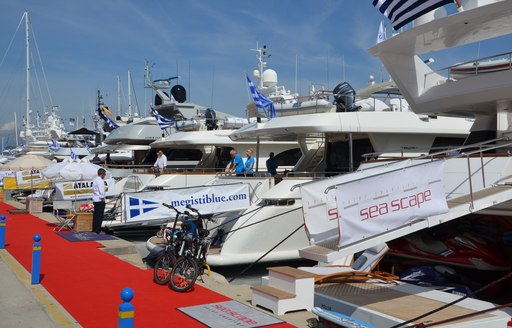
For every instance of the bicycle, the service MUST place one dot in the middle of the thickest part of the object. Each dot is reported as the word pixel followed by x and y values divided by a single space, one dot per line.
pixel 173 238
pixel 192 263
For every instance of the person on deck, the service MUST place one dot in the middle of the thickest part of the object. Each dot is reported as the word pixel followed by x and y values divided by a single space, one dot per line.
pixel 272 164
pixel 249 163
pixel 161 161
pixel 98 199
pixel 237 164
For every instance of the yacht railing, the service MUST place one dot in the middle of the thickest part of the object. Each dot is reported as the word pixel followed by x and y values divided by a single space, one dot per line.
pixel 498 62
pixel 468 151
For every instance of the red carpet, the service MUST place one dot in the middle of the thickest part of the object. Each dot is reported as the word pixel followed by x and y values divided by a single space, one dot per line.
pixel 87 281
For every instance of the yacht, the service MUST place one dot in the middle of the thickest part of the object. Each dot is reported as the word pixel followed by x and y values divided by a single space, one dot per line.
pixel 364 209
pixel 374 124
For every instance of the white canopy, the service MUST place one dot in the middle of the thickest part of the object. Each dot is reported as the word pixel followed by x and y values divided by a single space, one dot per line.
pixel 26 162
pixel 73 171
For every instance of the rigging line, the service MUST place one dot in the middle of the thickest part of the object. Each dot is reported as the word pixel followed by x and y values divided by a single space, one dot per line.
pixel 12 40
pixel 251 224
pixel 42 66
pixel 508 275
pixel 464 316
pixel 261 257
pixel 135 95
pixel 38 83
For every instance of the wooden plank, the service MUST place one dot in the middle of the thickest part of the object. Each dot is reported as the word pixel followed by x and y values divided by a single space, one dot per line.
pixel 274 292
pixel 398 304
pixel 291 272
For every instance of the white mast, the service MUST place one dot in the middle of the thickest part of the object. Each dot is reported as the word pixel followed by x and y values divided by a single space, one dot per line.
pixel 27 45
pixel 16 129
pixel 118 110
pixel 129 94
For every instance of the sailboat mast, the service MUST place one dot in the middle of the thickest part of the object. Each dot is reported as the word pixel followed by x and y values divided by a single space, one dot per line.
pixel 118 95
pixel 27 47
pixel 129 93
pixel 16 129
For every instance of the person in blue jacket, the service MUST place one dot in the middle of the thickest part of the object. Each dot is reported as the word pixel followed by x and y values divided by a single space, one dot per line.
pixel 249 163
pixel 237 164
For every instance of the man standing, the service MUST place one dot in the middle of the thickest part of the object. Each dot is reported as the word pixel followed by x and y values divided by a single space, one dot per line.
pixel 271 164
pixel 161 161
pixel 237 164
pixel 98 199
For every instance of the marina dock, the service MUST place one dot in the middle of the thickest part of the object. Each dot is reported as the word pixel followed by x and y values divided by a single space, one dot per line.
pixel 81 282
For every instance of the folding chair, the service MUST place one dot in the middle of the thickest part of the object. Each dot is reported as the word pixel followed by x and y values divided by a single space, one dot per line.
pixel 66 219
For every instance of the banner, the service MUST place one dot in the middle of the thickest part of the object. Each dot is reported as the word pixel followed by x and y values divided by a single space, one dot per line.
pixel 28 177
pixel 374 205
pixel 74 190
pixel 142 206
pixel 6 174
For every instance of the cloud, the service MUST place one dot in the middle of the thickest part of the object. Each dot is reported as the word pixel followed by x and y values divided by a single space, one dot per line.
pixel 7 127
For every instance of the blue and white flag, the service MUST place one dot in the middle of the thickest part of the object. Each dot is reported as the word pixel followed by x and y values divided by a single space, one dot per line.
pixel 110 123
pixel 55 144
pixel 73 156
pixel 87 147
pixel 51 147
pixel 382 33
pixel 11 152
pixel 163 121
pixel 261 101
pixel 401 12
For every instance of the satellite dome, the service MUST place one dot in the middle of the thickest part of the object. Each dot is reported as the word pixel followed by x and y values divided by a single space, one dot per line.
pixel 269 78
pixel 256 73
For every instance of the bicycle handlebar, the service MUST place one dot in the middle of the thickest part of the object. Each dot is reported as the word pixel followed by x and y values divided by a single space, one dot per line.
pixel 208 217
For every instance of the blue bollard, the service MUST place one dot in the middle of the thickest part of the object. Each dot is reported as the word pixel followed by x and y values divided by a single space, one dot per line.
pixel 126 310
pixel 36 260
pixel 2 231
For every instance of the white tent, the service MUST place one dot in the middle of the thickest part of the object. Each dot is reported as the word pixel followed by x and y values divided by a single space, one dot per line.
pixel 26 162
pixel 73 171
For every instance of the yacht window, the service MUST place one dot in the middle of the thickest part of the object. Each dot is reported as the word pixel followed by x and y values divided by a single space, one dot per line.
pixel 289 157
pixel 276 202
pixel 338 154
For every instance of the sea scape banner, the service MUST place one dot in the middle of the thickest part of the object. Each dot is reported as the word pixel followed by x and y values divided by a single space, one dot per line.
pixel 380 203
pixel 145 206
pixel 75 190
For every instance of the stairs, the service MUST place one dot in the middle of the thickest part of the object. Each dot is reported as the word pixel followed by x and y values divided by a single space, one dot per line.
pixel 288 289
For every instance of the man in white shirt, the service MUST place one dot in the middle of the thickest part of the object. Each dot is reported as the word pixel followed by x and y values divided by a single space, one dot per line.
pixel 98 199
pixel 161 161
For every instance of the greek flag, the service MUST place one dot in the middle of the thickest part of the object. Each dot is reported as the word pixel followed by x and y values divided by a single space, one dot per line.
pixel 55 144
pixel 51 147
pixel 11 152
pixel 111 124
pixel 164 122
pixel 401 12
pixel 261 101
pixel 73 156
pixel 87 147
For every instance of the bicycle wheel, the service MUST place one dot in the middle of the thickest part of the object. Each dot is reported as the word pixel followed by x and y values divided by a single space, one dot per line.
pixel 163 268
pixel 184 274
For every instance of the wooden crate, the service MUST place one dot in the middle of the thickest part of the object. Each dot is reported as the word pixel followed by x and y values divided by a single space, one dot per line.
pixel 34 205
pixel 82 222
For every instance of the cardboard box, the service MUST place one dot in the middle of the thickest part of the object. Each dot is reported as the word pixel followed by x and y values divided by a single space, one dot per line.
pixel 82 222
pixel 34 205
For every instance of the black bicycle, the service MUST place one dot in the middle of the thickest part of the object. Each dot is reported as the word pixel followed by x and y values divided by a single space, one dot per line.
pixel 173 239
pixel 192 261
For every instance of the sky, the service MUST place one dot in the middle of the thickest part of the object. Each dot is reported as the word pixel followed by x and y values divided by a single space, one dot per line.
pixel 84 45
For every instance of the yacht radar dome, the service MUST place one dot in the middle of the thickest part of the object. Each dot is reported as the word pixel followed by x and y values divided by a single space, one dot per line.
pixel 256 73
pixel 269 78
